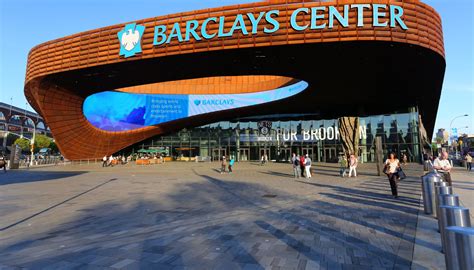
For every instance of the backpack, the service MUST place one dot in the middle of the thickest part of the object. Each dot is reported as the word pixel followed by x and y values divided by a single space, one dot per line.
pixel 296 162
pixel 308 162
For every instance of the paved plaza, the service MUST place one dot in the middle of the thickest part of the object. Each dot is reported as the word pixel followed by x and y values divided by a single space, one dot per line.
pixel 189 216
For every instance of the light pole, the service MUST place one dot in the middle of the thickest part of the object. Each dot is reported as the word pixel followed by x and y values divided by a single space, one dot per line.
pixel 451 129
pixel 32 141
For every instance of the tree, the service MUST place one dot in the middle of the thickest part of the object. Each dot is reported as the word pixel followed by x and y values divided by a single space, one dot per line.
pixel 349 132
pixel 54 147
pixel 42 141
pixel 23 143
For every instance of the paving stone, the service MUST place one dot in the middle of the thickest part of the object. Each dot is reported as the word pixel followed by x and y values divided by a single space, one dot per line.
pixel 205 220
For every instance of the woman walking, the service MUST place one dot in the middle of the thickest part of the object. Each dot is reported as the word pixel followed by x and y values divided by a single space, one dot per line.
pixel 353 162
pixel 392 164
pixel 223 164
pixel 231 164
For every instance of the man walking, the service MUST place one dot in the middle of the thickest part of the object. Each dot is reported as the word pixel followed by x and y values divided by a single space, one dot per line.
pixel 468 159
pixel 295 161
pixel 307 166
pixel 343 165
pixel 104 161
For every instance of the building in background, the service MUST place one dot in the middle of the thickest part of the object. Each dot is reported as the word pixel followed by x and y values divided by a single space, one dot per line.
pixel 16 122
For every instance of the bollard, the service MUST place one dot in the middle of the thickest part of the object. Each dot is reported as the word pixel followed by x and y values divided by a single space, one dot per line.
pixel 461 245
pixel 452 216
pixel 427 182
pixel 442 188
pixel 449 200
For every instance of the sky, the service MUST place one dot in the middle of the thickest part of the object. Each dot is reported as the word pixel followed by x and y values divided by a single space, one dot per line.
pixel 27 23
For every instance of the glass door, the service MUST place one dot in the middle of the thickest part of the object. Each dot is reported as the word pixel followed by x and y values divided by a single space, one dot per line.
pixel 244 154
pixel 308 151
pixel 218 153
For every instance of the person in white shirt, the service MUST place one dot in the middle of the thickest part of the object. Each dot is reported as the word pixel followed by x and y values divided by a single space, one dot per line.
pixel 392 164
pixel 443 166
pixel 307 167
pixel 353 165
pixel 468 159
pixel 104 161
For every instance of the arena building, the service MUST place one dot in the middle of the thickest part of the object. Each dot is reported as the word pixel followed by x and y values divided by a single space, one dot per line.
pixel 270 77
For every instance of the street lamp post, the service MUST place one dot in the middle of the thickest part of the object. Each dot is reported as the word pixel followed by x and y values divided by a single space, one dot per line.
pixel 451 129
pixel 32 141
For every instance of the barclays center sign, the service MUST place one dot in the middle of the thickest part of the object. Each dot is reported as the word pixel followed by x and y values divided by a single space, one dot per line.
pixel 320 18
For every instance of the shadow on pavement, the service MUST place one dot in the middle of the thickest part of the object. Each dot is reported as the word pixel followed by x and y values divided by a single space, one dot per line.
pixel 25 176
pixel 219 224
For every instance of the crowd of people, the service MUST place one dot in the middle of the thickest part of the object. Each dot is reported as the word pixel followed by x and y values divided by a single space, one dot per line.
pixel 301 165
pixel 110 161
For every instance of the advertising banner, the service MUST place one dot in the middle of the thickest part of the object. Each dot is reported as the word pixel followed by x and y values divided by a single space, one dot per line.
pixel 119 111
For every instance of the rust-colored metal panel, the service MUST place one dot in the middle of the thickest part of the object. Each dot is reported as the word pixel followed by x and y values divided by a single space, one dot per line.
pixel 61 106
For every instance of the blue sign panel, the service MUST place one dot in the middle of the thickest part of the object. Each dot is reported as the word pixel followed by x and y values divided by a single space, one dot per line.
pixel 119 111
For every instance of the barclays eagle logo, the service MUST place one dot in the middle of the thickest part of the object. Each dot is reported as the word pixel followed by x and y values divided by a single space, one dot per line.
pixel 197 102
pixel 130 39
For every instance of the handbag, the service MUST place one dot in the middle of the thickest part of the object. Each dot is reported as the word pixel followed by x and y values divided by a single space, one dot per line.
pixel 401 174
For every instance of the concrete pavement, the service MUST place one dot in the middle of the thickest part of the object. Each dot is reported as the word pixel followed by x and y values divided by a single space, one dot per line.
pixel 189 216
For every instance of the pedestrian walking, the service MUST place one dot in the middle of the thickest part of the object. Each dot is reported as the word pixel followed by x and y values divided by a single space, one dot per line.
pixel 404 159
pixel 443 166
pixel 353 162
pixel 3 163
pixel 231 164
pixel 307 166
pixel 223 164
pixel 392 165
pixel 468 159
pixel 104 161
pixel 302 162
pixel 111 161
pixel 295 161
pixel 343 165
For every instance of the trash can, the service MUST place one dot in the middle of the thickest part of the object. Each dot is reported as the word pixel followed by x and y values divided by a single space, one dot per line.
pixel 452 216
pixel 460 244
pixel 427 184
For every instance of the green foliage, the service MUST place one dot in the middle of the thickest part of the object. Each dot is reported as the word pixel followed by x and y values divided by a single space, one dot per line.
pixel 42 141
pixel 23 143
pixel 54 147
pixel 439 140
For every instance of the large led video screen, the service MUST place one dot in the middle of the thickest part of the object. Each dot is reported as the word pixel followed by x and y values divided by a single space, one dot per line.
pixel 121 111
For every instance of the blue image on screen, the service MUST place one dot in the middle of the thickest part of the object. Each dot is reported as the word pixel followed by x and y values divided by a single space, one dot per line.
pixel 115 111
pixel 120 111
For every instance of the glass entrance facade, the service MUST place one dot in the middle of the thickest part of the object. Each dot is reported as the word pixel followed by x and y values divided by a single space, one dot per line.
pixel 278 136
